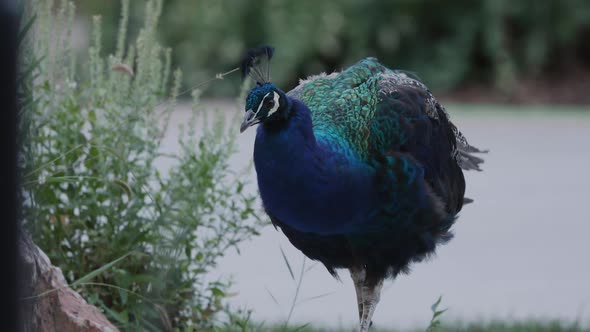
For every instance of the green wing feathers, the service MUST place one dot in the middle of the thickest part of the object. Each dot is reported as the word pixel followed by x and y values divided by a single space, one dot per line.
pixel 344 104
pixel 352 110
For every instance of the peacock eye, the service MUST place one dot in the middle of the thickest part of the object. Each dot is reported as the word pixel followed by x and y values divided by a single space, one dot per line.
pixel 269 103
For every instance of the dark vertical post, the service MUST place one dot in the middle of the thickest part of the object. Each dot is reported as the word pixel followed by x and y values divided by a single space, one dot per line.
pixel 8 175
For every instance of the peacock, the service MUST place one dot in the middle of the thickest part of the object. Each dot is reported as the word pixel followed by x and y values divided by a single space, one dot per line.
pixel 361 169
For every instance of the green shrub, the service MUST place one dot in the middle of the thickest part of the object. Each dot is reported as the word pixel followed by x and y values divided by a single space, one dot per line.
pixel 137 243
pixel 448 43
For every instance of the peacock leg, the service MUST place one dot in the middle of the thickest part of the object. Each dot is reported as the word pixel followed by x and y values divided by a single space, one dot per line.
pixel 371 296
pixel 358 278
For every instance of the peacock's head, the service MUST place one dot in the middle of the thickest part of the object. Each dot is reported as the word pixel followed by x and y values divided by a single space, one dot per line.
pixel 265 102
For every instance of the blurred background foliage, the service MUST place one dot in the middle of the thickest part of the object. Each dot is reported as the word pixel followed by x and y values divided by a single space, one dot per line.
pixel 450 44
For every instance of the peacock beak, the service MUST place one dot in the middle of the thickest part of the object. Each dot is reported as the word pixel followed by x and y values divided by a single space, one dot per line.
pixel 249 120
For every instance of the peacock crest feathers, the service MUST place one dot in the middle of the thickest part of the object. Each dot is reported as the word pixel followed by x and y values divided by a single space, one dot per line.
pixel 256 64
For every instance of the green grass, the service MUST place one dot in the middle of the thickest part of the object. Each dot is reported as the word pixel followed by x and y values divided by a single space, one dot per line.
pixel 494 326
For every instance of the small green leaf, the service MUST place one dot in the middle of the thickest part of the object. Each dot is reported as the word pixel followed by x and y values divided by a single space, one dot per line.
pixel 434 322
pixel 435 304
pixel 438 313
pixel 100 270
pixel 217 292
pixel 25 29
pixel 124 186
pixel 301 327
pixel 121 318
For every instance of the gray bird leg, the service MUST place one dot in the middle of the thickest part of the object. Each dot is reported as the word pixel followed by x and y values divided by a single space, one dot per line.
pixel 371 297
pixel 358 278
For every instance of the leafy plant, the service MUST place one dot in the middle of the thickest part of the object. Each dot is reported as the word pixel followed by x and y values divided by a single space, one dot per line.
pixel 436 313
pixel 133 240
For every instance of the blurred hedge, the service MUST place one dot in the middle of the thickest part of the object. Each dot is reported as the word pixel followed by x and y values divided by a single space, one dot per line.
pixel 447 43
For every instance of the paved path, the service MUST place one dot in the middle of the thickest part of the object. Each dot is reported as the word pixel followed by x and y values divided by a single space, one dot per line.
pixel 520 251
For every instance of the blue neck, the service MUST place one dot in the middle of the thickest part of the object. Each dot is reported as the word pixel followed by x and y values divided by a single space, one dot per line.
pixel 305 184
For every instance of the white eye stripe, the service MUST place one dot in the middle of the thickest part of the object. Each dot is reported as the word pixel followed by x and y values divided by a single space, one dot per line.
pixel 262 102
pixel 276 105
pixel 274 108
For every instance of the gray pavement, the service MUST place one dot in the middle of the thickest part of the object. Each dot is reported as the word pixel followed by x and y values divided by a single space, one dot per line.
pixel 520 251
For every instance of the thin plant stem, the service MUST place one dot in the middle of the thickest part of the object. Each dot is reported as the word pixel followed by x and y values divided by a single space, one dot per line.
pixel 299 282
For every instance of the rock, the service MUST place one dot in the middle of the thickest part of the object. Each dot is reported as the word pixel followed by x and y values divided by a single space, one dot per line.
pixel 62 309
